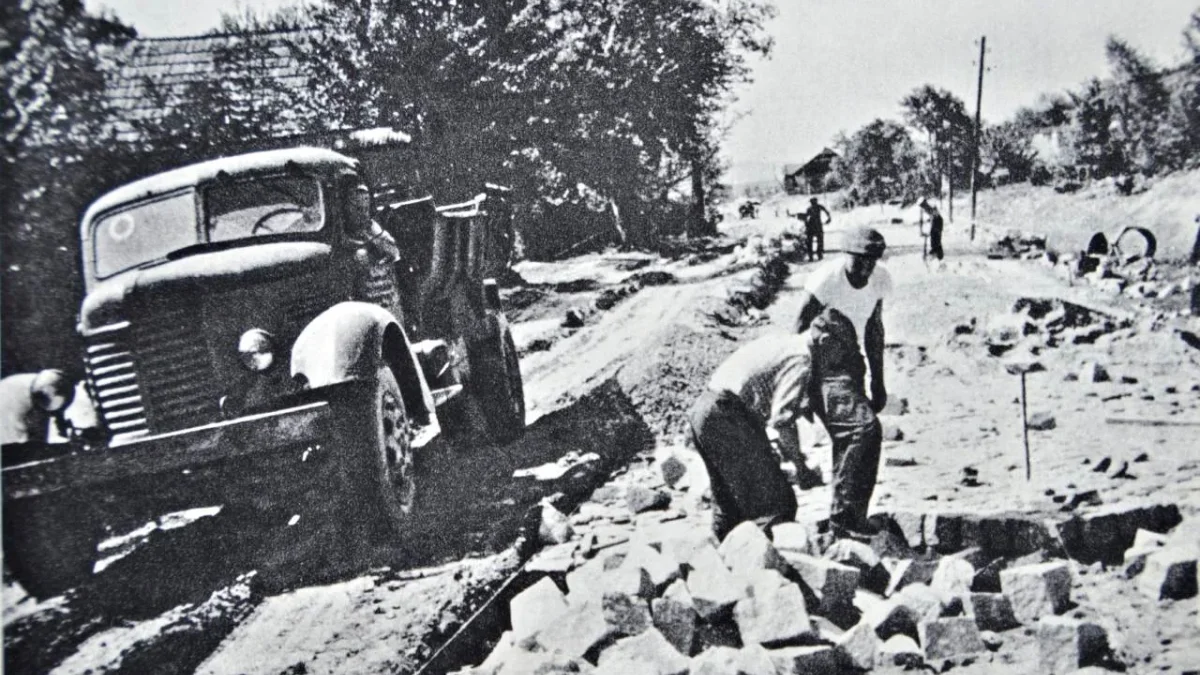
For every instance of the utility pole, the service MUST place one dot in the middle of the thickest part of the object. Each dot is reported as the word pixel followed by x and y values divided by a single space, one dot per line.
pixel 978 130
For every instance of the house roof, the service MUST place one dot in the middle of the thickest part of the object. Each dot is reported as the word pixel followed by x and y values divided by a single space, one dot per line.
pixel 818 164
pixel 251 69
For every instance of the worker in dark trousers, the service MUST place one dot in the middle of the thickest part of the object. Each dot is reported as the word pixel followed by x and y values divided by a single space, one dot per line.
pixel 855 287
pixel 814 228
pixel 746 421
pixel 935 229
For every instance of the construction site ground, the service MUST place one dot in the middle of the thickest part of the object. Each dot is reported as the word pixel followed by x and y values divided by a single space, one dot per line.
pixel 607 400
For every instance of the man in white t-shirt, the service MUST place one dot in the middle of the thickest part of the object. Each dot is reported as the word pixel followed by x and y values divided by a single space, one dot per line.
pixel 855 286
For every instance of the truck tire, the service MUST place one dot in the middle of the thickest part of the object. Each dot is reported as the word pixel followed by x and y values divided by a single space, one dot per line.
pixel 497 386
pixel 380 472
pixel 50 543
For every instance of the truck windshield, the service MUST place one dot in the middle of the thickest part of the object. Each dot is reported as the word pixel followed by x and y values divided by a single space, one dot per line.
pixel 143 232
pixel 263 206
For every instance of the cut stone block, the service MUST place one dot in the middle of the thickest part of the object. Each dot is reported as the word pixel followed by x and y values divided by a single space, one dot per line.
pixel 713 587
pixel 1066 644
pixel 499 654
pixel 793 538
pixel 1037 590
pixel 630 580
pixel 993 612
pixel 682 545
pixel 648 653
pixel 587 582
pixel 627 614
pixel 906 572
pixel 901 650
pixel 771 612
pixel 749 660
pixel 943 531
pixel 831 582
pixel 912 525
pixel 1106 533
pixel 890 618
pixel 659 569
pixel 675 617
pixel 858 646
pixel 581 632
pixel 806 661
pixel 723 633
pixel 536 607
pixel 872 574
pixel 746 549
pixel 953 577
pixel 951 636
pixel 1169 574
pixel 556 560
pixel 926 603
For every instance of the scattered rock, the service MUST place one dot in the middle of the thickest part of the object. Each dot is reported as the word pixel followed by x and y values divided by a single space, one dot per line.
pixel 902 650
pixel 793 538
pixel 872 574
pixel 536 607
pixel 992 641
pixel 858 646
pixel 993 612
pixel 580 632
pixel 1091 372
pixel 953 577
pixel 749 660
pixel 626 614
pixel 889 618
pixel 906 572
pixel 892 432
pixel 900 460
pixel 771 611
pixel 746 549
pixel 1102 465
pixel 574 318
pixel 805 661
pixel 632 580
pixel 520 662
pixel 831 582
pixel 1170 573
pixel 1037 590
pixel 675 617
pixel 673 470
pixel 1042 421
pixel 713 587
pixel 1066 644
pixel 660 569
pixel 911 525
pixel 555 528
pixel 1106 533
pixel 925 603
pixel 641 499
pixel 950 637
pixel 648 653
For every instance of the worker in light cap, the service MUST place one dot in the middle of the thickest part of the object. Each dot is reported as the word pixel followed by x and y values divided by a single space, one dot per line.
pixel 855 285
pixel 28 403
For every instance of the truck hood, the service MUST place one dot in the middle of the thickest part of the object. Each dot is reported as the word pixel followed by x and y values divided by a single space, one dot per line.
pixel 201 273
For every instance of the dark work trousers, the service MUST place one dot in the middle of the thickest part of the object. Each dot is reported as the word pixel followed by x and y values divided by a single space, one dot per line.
pixel 857 438
pixel 747 483
pixel 935 238
pixel 816 243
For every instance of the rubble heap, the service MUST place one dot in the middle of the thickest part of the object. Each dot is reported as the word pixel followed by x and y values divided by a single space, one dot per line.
pixel 1018 245
pixel 932 590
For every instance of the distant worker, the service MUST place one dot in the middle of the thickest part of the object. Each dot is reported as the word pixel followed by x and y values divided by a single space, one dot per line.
pixel 935 229
pixel 29 402
pixel 856 287
pixel 814 229
pixel 747 415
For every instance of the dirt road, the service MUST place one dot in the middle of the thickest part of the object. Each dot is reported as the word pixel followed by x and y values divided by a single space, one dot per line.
pixel 617 387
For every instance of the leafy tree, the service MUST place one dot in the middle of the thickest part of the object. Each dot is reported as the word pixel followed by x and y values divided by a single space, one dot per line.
pixel 1141 101
pixel 1006 148
pixel 880 162
pixel 943 117
pixel 52 62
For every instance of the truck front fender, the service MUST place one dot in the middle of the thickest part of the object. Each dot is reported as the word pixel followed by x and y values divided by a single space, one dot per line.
pixel 349 341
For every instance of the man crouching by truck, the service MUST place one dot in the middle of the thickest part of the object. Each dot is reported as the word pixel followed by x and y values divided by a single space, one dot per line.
pixel 747 420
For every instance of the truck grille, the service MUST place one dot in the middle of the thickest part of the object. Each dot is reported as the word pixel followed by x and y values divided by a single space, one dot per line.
pixel 175 368
pixel 380 287
pixel 114 382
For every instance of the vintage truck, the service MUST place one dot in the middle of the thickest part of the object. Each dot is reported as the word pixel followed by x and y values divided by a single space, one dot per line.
pixel 265 329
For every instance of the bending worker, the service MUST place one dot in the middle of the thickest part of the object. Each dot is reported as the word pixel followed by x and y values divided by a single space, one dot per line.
pixel 28 403
pixel 855 286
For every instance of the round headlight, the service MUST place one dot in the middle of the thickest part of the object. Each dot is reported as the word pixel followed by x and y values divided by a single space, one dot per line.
pixel 256 350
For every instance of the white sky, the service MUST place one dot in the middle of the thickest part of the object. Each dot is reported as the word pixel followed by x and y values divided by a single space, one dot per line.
pixel 838 64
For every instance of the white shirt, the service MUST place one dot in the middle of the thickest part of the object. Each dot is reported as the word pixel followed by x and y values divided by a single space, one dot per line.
pixel 829 285
pixel 771 376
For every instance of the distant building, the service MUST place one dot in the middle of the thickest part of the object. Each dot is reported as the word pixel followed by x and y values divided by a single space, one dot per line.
pixel 809 177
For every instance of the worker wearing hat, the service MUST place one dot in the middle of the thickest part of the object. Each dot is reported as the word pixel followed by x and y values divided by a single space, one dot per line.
pixel 854 285
pixel 29 401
